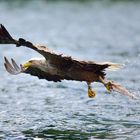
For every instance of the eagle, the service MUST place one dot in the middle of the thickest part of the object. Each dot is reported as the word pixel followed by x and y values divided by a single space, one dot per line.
pixel 56 67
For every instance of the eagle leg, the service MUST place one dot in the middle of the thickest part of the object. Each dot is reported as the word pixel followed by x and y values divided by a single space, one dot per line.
pixel 108 84
pixel 91 93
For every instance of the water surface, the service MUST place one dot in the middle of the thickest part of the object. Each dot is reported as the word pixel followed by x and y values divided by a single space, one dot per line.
pixel 101 31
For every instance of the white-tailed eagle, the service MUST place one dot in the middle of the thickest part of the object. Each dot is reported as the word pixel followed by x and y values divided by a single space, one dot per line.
pixel 54 67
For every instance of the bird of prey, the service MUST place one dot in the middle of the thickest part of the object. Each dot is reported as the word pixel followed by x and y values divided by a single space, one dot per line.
pixel 55 67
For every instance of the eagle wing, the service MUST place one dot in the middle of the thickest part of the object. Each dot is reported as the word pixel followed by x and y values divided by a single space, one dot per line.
pixel 5 37
pixel 63 62
pixel 42 75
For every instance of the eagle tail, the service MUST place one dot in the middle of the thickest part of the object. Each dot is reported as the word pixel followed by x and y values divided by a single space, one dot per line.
pixel 113 66
pixel 5 37
pixel 118 88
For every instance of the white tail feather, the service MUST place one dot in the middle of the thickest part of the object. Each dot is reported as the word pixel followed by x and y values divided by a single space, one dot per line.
pixel 113 66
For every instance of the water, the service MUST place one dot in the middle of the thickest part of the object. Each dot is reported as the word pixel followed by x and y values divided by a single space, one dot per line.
pixel 93 30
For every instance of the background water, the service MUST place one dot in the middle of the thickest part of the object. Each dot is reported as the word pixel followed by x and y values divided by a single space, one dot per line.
pixel 87 30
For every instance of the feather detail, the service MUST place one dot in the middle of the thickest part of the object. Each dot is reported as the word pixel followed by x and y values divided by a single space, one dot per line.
pixel 112 66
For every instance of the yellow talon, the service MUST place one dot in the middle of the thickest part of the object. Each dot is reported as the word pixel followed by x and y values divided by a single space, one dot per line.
pixel 91 93
pixel 108 85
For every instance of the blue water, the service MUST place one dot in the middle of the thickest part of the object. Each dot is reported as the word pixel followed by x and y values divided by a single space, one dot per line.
pixel 90 30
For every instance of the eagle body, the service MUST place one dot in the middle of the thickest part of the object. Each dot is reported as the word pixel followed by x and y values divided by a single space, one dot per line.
pixel 78 71
pixel 74 73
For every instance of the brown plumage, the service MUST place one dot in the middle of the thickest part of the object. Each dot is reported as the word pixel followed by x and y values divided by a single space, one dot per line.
pixel 58 67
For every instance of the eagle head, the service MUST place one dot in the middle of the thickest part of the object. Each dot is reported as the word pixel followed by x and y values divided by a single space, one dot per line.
pixel 34 62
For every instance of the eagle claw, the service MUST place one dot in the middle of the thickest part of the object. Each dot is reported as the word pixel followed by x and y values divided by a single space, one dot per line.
pixel 91 93
pixel 109 86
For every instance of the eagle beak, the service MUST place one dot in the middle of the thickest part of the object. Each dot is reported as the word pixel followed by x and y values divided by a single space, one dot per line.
pixel 26 65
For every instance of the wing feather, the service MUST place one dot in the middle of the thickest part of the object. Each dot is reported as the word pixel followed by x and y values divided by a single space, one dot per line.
pixel 5 37
pixel 118 88
pixel 9 69
pixel 13 68
pixel 15 64
pixel 43 75
pixel 64 62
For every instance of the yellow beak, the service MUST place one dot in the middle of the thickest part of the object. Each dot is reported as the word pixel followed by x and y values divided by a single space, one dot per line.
pixel 27 65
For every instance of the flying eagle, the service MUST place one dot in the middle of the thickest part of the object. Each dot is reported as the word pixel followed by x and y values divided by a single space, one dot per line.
pixel 54 67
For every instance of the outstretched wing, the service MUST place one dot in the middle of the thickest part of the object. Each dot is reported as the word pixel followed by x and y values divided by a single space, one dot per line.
pixel 64 62
pixel 14 69
pixel 60 61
